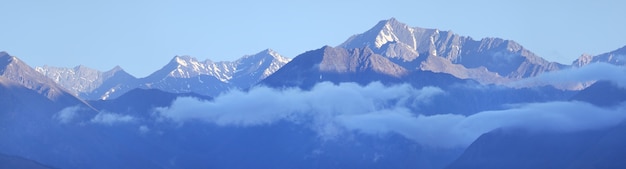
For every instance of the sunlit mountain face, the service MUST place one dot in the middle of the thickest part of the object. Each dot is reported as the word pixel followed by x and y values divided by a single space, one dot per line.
pixel 395 96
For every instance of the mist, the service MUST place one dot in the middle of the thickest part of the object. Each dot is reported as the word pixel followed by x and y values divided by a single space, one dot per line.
pixel 588 73
pixel 335 109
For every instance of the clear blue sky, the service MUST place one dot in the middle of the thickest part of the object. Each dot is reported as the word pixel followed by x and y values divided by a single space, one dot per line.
pixel 142 36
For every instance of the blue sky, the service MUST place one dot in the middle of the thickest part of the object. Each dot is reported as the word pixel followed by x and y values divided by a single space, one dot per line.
pixel 142 36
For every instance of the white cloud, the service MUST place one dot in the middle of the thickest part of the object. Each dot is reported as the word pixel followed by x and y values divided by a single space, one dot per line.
pixel 263 105
pixel 111 118
pixel 588 73
pixel 67 114
pixel 376 109
pixel 144 129
pixel 452 130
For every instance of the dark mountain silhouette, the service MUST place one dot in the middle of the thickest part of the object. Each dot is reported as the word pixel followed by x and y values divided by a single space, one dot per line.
pixel 602 93
pixel 141 102
pixel 600 148
pixel 522 149
pixel 14 162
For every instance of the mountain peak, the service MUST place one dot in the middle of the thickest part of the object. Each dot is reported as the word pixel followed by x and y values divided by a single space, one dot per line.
pixel 116 68
pixel 6 58
pixel 7 61
pixel 19 72
pixel 4 55
pixel 391 31
pixel 277 56
pixel 183 60
pixel 268 50
pixel 392 22
pixel 250 69
pixel 265 54
pixel 404 45
pixel 83 67
pixel 616 57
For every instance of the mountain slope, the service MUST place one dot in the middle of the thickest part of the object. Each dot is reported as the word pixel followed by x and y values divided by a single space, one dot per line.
pixel 616 57
pixel 522 149
pixel 243 72
pixel 7 161
pixel 29 97
pixel 337 65
pixel 602 93
pixel 362 66
pixel 601 148
pixel 597 148
pixel 85 82
pixel 18 72
pixel 251 69
pixel 186 74
pixel 490 60
pixel 140 102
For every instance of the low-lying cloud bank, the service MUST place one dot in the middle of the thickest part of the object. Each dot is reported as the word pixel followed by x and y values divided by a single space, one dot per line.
pixel 67 114
pixel 375 109
pixel 588 73
pixel 72 113
pixel 453 130
pixel 109 118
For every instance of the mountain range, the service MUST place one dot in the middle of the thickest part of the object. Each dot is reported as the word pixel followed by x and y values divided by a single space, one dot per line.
pixel 85 118
pixel 390 48
pixel 182 74
pixel 489 60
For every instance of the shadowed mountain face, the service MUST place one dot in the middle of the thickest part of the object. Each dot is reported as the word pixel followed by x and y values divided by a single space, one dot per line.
pixel 141 102
pixel 29 123
pixel 14 162
pixel 17 71
pixel 602 93
pixel 350 65
pixel 522 149
pixel 13 70
pixel 599 148
pixel 489 60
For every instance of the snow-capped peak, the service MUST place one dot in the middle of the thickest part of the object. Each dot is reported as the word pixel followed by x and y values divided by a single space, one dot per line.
pixel 391 31
pixel 264 62
pixel 385 36
pixel 184 60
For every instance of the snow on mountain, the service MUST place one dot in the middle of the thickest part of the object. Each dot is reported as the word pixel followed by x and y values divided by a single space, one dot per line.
pixel 251 69
pixel 19 72
pixel 616 57
pixel 489 60
pixel 83 81
pixel 363 66
pixel 184 74
pixel 22 89
pixel 265 62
